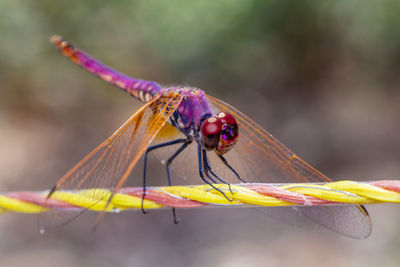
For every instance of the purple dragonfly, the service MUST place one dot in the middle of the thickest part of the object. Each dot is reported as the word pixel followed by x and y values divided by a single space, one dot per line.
pixel 229 146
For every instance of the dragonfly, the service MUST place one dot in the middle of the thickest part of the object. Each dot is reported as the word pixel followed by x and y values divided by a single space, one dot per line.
pixel 196 135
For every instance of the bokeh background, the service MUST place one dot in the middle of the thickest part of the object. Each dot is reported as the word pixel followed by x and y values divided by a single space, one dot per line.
pixel 322 76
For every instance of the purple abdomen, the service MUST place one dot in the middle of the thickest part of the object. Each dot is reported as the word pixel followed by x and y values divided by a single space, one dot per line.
pixel 192 109
pixel 142 90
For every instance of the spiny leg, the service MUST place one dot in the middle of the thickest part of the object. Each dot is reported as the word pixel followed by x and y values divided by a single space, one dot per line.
pixel 177 141
pixel 201 172
pixel 169 161
pixel 207 168
pixel 231 168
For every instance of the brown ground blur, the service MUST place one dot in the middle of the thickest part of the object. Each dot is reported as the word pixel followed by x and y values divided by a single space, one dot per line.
pixel 322 76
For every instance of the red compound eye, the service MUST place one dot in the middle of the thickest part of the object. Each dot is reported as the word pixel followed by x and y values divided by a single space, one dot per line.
pixel 210 132
pixel 227 119
pixel 219 132
pixel 229 133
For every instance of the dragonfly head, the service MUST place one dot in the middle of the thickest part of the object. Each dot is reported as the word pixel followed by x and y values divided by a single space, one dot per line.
pixel 219 132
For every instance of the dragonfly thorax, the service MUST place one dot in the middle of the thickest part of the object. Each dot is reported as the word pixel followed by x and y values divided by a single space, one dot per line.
pixel 219 132
pixel 192 110
pixel 194 118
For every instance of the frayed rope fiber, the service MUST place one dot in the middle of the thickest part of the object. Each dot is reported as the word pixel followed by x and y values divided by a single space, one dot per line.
pixel 301 194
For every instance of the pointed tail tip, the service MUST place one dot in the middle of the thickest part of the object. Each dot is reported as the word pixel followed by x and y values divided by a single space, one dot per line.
pixel 56 39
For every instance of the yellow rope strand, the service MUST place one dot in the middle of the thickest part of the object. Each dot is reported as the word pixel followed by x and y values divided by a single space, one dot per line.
pixel 342 192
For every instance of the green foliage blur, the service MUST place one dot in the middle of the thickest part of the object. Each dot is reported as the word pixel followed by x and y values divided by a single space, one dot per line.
pixel 276 46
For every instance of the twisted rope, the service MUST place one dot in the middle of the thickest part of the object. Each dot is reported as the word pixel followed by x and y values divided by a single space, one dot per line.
pixel 307 194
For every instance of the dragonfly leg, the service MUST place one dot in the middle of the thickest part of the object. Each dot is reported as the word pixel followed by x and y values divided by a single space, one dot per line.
pixel 207 168
pixel 201 173
pixel 169 161
pixel 149 149
pixel 231 168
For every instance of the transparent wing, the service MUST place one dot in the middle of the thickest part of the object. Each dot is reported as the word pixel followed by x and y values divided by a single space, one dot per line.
pixel 262 156
pixel 259 157
pixel 108 166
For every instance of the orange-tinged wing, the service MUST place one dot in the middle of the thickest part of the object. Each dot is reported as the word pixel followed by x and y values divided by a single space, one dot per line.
pixel 259 148
pixel 259 157
pixel 110 164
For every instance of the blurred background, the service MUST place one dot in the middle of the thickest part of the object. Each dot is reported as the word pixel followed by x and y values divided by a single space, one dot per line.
pixel 321 76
